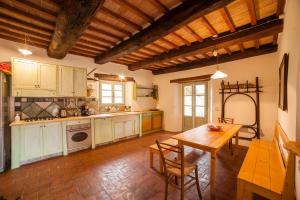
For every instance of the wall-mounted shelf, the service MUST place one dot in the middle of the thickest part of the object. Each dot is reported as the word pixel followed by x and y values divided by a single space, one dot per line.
pixel 143 91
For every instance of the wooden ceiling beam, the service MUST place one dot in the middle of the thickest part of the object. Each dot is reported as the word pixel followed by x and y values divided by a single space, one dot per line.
pixel 88 48
pixel 22 24
pixel 135 10
pixel 176 18
pixel 105 33
pixel 98 39
pixel 275 38
pixel 25 31
pixel 209 27
pixel 121 19
pixel 179 37
pixel 193 33
pixel 169 43
pixel 25 16
pixel 159 47
pixel 266 49
pixel 72 20
pixel 81 54
pixel 152 51
pixel 228 50
pixel 242 34
pixel 92 44
pixel 36 8
pixel 109 25
pixel 252 11
pixel 280 7
pixel 21 38
pixel 241 46
pixel 227 18
pixel 18 40
pixel 159 6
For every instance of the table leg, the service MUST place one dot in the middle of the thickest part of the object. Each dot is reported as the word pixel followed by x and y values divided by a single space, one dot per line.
pixel 237 140
pixel 151 158
pixel 161 165
pixel 213 156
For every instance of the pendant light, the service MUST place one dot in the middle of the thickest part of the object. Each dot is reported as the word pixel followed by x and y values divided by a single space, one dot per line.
pixel 25 50
pixel 218 74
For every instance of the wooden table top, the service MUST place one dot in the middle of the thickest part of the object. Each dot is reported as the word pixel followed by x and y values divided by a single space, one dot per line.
pixel 202 138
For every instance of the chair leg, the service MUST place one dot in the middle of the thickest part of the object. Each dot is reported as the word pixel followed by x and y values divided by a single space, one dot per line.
pixel 166 187
pixel 197 183
pixel 176 180
pixel 182 188
pixel 230 146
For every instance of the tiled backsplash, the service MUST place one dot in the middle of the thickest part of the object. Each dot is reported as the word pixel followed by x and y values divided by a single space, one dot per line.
pixel 49 107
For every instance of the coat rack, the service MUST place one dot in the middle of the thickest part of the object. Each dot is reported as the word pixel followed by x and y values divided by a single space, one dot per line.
pixel 228 90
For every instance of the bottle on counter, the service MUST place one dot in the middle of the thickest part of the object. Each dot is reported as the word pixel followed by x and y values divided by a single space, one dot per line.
pixel 17 117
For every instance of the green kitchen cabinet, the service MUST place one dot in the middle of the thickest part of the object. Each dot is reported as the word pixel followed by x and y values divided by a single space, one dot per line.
pixel 40 140
pixel 52 139
pixel 103 131
pixel 31 142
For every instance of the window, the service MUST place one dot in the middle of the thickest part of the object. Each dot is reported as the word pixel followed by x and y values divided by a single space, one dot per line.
pixel 112 93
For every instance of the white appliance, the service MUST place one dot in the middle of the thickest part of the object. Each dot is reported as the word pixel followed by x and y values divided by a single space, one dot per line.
pixel 79 136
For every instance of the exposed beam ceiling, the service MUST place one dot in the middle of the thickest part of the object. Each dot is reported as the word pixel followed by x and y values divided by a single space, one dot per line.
pixel 186 12
pixel 241 35
pixel 270 48
pixel 73 19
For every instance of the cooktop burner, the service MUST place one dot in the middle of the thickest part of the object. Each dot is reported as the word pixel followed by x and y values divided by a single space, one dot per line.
pixel 39 119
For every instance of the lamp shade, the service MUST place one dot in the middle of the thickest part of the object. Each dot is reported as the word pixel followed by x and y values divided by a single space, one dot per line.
pixel 218 75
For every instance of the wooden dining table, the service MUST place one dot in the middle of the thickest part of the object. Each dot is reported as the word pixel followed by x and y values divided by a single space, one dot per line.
pixel 211 141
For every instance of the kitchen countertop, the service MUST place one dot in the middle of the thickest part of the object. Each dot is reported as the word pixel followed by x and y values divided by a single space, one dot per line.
pixel 104 115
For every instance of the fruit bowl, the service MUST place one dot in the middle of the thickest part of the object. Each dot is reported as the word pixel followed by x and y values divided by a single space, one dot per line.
pixel 212 127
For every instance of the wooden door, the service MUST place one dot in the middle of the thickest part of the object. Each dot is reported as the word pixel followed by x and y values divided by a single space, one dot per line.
pixel 31 142
pixel 146 122
pixel 52 138
pixel 195 105
pixel 156 120
pixel 80 81
pixel 66 81
pixel 48 77
pixel 103 131
pixel 25 74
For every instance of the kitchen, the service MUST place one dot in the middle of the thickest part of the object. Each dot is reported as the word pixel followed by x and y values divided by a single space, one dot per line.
pixel 84 100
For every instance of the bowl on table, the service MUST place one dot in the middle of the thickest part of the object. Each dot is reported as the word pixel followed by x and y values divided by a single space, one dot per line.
pixel 213 127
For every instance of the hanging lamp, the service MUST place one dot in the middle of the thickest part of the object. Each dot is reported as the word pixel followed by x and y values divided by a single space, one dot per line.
pixel 25 51
pixel 218 74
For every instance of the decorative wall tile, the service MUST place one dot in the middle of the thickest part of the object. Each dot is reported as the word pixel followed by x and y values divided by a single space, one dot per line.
pixel 53 109
pixel 32 110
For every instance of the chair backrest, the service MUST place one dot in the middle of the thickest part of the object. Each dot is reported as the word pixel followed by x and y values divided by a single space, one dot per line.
pixel 288 161
pixel 168 162
pixel 226 120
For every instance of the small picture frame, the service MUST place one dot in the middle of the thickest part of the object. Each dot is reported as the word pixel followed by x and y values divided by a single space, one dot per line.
pixel 283 79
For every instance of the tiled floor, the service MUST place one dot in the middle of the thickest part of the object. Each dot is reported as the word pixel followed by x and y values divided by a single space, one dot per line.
pixel 118 171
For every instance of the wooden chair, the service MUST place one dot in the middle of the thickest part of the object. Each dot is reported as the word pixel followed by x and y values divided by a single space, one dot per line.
pixel 178 168
pixel 153 149
pixel 227 121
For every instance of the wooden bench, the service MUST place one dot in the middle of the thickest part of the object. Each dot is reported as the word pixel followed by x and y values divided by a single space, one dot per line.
pixel 268 169
pixel 153 149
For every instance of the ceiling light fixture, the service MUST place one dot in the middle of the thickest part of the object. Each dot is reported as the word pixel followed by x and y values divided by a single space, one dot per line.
pixel 122 77
pixel 218 74
pixel 25 50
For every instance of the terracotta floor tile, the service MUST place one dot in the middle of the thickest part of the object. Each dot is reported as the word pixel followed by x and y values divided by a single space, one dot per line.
pixel 116 172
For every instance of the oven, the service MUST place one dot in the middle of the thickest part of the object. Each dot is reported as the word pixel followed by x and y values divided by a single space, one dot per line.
pixel 79 136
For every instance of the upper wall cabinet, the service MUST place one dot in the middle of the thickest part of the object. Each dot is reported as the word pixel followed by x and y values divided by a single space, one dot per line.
pixel 72 82
pixel 33 79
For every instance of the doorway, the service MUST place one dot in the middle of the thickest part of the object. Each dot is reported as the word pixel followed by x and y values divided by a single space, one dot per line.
pixel 195 105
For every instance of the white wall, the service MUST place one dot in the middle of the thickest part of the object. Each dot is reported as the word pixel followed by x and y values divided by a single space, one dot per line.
pixel 265 67
pixel 289 43
pixel 8 49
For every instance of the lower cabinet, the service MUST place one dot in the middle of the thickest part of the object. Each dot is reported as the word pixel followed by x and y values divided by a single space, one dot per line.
pixel 40 140
pixel 103 131
pixel 151 121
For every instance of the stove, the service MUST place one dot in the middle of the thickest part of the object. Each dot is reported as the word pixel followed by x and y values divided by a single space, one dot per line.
pixel 39 119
